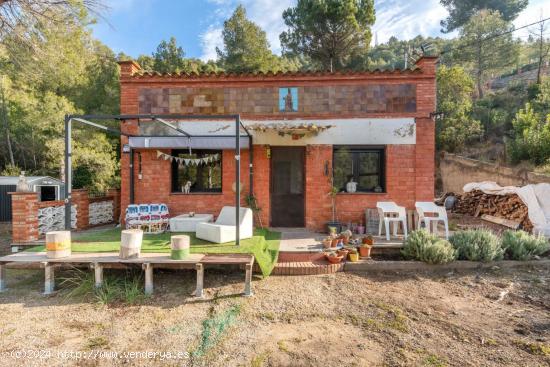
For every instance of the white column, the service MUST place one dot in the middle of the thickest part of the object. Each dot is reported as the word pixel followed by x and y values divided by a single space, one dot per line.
pixel 200 281
pixel 148 267
pixel 98 274
pixel 248 281
pixel 49 278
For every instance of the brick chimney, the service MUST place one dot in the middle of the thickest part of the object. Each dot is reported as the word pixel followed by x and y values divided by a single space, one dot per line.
pixel 428 64
pixel 128 68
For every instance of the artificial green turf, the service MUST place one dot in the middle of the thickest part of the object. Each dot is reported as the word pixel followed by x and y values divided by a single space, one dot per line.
pixel 264 245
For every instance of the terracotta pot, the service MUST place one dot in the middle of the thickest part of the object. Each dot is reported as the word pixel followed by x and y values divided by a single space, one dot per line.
pixel 364 251
pixel 368 241
pixel 334 259
pixel 334 242
pixel 344 253
pixel 353 256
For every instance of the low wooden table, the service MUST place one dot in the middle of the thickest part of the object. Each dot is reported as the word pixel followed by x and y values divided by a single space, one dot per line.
pixel 185 223
pixel 148 261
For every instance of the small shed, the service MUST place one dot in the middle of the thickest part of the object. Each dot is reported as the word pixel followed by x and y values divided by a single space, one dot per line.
pixel 48 188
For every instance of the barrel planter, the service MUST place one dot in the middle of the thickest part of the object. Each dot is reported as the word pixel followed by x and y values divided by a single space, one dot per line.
pixel 58 244
pixel 179 247
pixel 130 243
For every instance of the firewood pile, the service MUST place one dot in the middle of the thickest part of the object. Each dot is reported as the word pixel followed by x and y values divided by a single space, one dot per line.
pixel 476 203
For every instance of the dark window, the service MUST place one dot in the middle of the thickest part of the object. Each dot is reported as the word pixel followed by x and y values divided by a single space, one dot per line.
pixel 365 165
pixel 204 177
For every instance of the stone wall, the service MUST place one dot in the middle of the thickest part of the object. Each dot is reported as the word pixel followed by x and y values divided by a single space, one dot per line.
pixel 457 171
pixel 367 98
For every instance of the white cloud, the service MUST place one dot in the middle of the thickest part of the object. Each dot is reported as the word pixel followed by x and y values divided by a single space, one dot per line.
pixel 211 39
pixel 406 20
pixel 402 19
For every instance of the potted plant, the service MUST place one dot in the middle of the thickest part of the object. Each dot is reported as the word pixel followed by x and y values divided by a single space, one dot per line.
pixel 364 250
pixel 368 240
pixel 333 191
pixel 334 258
pixel 346 235
pixel 343 252
pixel 353 255
pixel 252 203
pixel 327 242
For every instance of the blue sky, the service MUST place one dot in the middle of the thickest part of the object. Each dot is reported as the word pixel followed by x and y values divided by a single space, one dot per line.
pixel 137 26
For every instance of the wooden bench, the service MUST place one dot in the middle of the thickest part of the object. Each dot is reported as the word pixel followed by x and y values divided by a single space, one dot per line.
pixel 147 261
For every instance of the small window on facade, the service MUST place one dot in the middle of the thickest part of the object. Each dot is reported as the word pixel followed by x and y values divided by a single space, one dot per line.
pixel 363 165
pixel 203 171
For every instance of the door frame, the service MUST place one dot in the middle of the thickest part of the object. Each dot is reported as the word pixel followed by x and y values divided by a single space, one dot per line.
pixel 271 171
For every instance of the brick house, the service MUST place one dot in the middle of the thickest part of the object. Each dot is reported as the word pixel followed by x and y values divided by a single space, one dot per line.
pixel 311 131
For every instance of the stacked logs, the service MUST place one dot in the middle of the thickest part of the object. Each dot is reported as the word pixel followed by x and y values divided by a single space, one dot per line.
pixel 477 203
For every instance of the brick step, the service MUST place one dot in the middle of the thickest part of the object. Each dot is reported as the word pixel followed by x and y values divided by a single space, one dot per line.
pixel 295 256
pixel 306 268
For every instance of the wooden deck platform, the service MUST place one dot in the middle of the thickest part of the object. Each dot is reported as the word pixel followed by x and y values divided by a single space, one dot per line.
pixel 147 262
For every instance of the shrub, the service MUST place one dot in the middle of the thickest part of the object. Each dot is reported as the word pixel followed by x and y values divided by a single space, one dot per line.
pixel 416 243
pixel 520 245
pixel 477 245
pixel 423 246
pixel 439 252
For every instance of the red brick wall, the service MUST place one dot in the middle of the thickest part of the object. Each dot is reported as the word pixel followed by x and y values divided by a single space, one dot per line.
pixel 409 170
pixel 25 206
pixel 24 221
pixel 156 185
pixel 82 202
pixel 400 186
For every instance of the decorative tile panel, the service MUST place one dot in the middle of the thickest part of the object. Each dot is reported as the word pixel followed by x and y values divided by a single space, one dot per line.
pixel 316 100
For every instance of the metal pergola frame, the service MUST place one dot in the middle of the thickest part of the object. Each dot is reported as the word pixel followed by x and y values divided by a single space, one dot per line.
pixel 84 119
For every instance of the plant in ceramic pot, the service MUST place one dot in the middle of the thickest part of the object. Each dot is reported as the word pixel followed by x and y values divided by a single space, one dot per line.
pixel 327 242
pixel 334 258
pixel 346 236
pixel 343 252
pixel 353 255
pixel 364 250
pixel 368 240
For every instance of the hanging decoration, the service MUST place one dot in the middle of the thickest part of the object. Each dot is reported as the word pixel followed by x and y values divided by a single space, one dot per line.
pixel 189 161
pixel 296 131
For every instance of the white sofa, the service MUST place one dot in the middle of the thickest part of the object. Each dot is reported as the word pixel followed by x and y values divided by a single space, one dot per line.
pixel 224 229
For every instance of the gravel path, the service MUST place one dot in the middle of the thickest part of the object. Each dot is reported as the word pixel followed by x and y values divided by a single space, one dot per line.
pixel 493 318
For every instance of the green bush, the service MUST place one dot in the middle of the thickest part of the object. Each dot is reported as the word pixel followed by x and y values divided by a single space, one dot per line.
pixel 423 246
pixel 520 245
pixel 439 252
pixel 477 245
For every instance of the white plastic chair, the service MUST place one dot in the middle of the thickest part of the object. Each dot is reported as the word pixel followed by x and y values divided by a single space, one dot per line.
pixel 391 212
pixel 440 214
pixel 224 229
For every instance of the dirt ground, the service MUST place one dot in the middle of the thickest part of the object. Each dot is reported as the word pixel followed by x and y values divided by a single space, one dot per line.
pixel 493 318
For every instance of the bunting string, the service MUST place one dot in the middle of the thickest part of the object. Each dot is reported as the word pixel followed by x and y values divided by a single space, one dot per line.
pixel 189 161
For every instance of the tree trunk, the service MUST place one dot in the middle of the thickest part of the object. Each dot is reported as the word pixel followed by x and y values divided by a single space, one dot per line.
pixel 6 125
pixel 479 85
